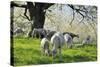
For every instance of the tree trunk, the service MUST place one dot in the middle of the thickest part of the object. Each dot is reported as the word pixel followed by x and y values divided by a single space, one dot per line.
pixel 36 11
pixel 38 20
pixel 38 16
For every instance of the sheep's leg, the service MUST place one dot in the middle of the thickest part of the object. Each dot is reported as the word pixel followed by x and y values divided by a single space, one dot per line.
pixel 53 54
pixel 46 52
pixel 52 59
pixel 60 56
pixel 40 36
pixel 71 45
pixel 34 35
pixel 68 45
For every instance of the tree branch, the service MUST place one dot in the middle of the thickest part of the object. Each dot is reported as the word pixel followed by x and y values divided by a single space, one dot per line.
pixel 82 16
pixel 26 14
pixel 78 10
pixel 13 4
pixel 73 17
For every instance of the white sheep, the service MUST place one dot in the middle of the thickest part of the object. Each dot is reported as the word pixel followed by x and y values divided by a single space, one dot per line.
pixel 19 32
pixel 45 47
pixel 87 40
pixel 38 33
pixel 57 41
pixel 68 40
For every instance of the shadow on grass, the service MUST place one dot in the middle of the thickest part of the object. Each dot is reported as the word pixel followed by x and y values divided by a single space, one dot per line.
pixel 78 58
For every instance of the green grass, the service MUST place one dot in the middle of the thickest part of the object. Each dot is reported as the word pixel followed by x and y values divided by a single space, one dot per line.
pixel 27 52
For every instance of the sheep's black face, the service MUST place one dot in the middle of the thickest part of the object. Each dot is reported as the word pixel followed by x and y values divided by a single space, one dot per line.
pixel 54 52
pixel 47 52
pixel 77 36
pixel 47 36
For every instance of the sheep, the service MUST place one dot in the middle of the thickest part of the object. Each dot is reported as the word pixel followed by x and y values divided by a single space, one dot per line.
pixel 38 33
pixel 87 40
pixel 45 47
pixel 18 32
pixel 29 34
pixel 71 34
pixel 50 34
pixel 68 36
pixel 68 40
pixel 57 41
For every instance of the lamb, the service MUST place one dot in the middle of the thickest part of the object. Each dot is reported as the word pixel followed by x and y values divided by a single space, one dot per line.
pixel 50 34
pixel 68 40
pixel 57 41
pixel 68 36
pixel 87 40
pixel 45 47
pixel 19 32
pixel 71 34
pixel 38 33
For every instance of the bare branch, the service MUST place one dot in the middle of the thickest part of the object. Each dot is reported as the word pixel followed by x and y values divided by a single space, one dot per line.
pixel 82 16
pixel 73 17
pixel 26 14
pixel 13 4
pixel 82 11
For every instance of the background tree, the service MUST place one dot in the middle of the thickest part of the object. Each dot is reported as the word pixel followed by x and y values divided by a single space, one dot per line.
pixel 38 12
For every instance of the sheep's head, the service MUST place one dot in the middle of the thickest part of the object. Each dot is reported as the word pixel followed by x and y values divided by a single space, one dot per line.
pixel 50 53
pixel 54 52
pixel 77 35
pixel 47 52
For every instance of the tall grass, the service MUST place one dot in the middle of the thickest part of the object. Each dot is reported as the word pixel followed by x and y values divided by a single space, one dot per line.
pixel 27 52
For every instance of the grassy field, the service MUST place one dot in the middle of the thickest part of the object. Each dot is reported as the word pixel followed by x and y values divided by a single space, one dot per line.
pixel 27 52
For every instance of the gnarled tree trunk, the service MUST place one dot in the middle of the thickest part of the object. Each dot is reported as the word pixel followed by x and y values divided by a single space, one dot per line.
pixel 37 14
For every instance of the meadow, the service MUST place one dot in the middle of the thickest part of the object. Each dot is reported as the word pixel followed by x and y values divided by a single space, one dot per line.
pixel 27 52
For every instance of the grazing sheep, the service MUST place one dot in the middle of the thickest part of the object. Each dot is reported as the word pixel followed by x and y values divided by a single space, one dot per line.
pixel 68 40
pixel 29 34
pixel 18 32
pixel 71 34
pixel 45 46
pixel 38 33
pixel 68 36
pixel 50 34
pixel 57 41
pixel 87 40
